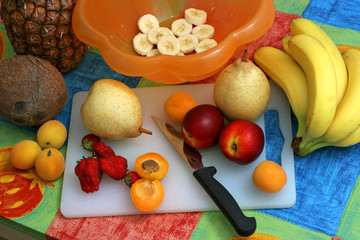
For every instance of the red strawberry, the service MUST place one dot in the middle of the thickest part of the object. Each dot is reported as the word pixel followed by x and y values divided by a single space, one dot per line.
pixel 89 141
pixel 131 177
pixel 89 173
pixel 101 150
pixel 115 166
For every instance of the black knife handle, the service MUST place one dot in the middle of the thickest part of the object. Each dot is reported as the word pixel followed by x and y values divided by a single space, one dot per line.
pixel 244 226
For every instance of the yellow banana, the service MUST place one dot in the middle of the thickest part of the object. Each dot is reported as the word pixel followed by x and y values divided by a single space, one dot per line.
pixel 305 26
pixel 289 76
pixel 347 115
pixel 319 69
pixel 285 41
pixel 351 139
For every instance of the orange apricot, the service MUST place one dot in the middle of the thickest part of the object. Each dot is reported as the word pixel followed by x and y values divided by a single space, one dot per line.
pixel 147 195
pixel 24 153
pixel 50 164
pixel 151 166
pixel 269 176
pixel 51 134
pixel 177 105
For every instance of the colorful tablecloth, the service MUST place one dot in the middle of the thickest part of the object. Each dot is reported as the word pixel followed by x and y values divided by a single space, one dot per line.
pixel 327 181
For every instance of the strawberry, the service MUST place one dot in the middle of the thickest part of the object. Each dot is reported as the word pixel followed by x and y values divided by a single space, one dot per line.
pixel 114 166
pixel 89 141
pixel 131 177
pixel 101 150
pixel 89 173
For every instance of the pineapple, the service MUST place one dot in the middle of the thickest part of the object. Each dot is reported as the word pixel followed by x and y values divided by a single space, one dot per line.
pixel 43 28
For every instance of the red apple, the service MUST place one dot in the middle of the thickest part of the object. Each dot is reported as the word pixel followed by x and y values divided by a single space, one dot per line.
pixel 242 141
pixel 202 125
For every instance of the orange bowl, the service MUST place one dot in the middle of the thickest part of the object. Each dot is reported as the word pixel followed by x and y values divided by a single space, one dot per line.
pixel 111 25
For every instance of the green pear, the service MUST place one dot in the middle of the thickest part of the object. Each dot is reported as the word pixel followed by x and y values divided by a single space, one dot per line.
pixel 112 110
pixel 242 90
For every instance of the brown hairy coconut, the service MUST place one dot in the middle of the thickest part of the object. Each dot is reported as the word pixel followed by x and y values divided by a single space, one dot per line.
pixel 32 90
pixel 43 28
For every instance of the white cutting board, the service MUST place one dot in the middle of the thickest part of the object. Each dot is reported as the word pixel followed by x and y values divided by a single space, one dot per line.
pixel 182 192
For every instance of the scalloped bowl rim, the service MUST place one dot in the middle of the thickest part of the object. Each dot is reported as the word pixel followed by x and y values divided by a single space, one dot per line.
pixel 215 58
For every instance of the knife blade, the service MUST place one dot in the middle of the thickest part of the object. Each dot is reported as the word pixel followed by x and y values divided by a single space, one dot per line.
pixel 243 225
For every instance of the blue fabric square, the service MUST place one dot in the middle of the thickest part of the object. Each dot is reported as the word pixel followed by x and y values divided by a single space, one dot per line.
pixel 338 13
pixel 324 182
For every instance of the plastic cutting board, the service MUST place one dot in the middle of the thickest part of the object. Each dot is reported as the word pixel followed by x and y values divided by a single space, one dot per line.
pixel 182 192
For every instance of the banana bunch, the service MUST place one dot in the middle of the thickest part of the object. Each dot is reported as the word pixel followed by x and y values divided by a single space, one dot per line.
pixel 321 84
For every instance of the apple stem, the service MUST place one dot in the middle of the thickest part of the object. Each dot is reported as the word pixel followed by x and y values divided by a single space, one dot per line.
pixel 143 130
pixel 245 58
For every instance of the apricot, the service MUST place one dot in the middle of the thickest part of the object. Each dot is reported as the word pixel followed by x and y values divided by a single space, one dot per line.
pixel 177 105
pixel 269 177
pixel 50 164
pixel 51 134
pixel 23 154
pixel 147 195
pixel 151 166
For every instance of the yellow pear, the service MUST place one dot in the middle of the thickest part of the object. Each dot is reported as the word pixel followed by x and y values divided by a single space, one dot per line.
pixel 112 110
pixel 242 90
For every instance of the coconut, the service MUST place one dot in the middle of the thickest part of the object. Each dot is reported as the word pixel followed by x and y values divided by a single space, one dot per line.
pixel 32 90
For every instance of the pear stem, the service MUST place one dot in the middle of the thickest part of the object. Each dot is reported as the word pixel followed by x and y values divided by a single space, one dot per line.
pixel 245 58
pixel 143 130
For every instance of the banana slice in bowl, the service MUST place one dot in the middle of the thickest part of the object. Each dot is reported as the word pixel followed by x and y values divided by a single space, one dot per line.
pixel 169 45
pixel 147 22
pixel 153 52
pixel 181 27
pixel 156 33
pixel 188 43
pixel 203 31
pixel 195 16
pixel 141 44
pixel 205 44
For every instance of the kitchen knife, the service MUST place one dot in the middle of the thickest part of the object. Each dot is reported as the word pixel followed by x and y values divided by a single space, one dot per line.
pixel 244 226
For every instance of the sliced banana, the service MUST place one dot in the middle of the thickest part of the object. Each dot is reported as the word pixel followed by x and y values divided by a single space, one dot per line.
pixel 181 27
pixel 205 44
pixel 147 22
pixel 158 32
pixel 188 43
pixel 204 31
pixel 154 40
pixel 169 45
pixel 141 44
pixel 195 16
pixel 153 52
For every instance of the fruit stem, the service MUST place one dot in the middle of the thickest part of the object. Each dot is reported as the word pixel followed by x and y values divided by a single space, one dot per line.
pixel 295 144
pixel 314 147
pixel 245 58
pixel 143 130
